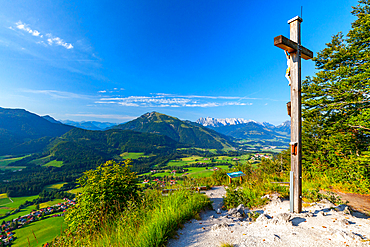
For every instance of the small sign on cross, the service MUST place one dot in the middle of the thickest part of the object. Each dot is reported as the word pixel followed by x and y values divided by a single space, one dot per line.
pixel 296 51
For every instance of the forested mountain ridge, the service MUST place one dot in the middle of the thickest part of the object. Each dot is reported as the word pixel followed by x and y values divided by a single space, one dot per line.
pixel 81 150
pixel 25 132
pixel 180 131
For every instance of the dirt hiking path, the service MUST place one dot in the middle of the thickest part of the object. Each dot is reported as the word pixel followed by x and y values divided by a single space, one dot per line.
pixel 321 224
pixel 358 202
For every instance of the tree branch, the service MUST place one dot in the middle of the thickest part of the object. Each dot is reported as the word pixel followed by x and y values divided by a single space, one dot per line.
pixel 359 127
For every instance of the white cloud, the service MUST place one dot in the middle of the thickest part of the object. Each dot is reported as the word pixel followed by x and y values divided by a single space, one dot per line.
pixel 35 33
pixel 42 43
pixel 127 104
pixel 51 39
pixel 167 100
pixel 102 91
pixel 57 94
pixel 59 41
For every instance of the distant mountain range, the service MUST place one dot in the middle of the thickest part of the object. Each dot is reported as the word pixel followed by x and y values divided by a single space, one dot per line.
pixel 218 122
pixel 25 132
pixel 185 132
pixel 246 129
pixel 87 125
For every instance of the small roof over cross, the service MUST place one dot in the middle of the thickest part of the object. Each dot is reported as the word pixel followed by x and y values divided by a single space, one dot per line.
pixel 291 46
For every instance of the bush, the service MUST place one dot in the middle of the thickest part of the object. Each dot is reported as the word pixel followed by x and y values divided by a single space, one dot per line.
pixel 105 191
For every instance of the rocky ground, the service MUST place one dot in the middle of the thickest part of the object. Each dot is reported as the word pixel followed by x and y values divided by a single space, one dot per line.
pixel 321 224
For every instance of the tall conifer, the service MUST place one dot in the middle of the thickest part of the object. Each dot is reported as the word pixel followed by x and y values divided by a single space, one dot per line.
pixel 336 106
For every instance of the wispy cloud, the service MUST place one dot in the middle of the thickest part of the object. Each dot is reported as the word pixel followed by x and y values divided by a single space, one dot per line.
pixel 57 94
pixel 114 90
pixel 168 100
pixel 57 41
pixel 46 39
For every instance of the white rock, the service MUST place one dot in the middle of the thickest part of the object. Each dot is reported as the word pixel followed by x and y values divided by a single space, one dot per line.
pixel 219 226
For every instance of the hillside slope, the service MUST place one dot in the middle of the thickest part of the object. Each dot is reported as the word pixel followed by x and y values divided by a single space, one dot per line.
pixel 181 131
pixel 79 150
pixel 25 132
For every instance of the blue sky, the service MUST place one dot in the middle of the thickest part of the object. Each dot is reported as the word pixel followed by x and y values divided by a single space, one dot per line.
pixel 116 60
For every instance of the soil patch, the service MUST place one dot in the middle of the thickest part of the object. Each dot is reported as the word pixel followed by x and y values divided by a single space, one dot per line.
pixel 358 202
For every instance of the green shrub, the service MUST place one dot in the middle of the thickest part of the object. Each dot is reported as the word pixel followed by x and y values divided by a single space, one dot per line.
pixel 106 190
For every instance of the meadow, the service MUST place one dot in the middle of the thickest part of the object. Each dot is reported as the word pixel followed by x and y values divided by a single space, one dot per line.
pixel 56 186
pixel 8 159
pixel 39 232
pixel 10 204
pixel 132 155
pixel 54 163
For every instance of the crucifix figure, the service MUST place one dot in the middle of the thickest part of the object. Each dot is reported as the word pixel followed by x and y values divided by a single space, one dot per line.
pixel 296 51
pixel 287 73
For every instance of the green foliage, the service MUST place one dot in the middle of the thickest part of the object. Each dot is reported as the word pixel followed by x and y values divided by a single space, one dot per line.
pixel 105 191
pixel 219 177
pixel 235 197
pixel 226 245
pixel 314 195
pixel 150 221
pixel 336 107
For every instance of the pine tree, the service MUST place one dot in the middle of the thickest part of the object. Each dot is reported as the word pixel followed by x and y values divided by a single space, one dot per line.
pixel 336 105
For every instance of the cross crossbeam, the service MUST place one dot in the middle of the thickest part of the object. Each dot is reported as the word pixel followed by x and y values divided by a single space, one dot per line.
pixel 292 47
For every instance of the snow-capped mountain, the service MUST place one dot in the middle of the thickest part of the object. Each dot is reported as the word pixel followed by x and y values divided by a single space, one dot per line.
pixel 218 122
pixel 284 127
pixel 246 129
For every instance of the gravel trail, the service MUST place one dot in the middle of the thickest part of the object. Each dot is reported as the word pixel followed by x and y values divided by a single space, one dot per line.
pixel 321 224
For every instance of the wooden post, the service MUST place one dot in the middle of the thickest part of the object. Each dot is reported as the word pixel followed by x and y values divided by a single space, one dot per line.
pixel 296 50
pixel 296 120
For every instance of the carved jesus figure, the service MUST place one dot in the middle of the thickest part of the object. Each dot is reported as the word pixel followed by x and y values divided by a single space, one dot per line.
pixel 287 73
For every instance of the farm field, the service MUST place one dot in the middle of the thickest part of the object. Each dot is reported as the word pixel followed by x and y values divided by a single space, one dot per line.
pixel 132 155
pixel 41 161
pixel 22 212
pixel 54 163
pixel 56 186
pixel 214 151
pixel 192 172
pixel 10 204
pixel 197 159
pixel 45 230
pixel 271 145
pixel 75 191
pixel 203 171
pixel 8 159
pixel 50 203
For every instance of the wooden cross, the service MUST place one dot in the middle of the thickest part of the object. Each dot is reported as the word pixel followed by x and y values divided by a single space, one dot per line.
pixel 293 46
